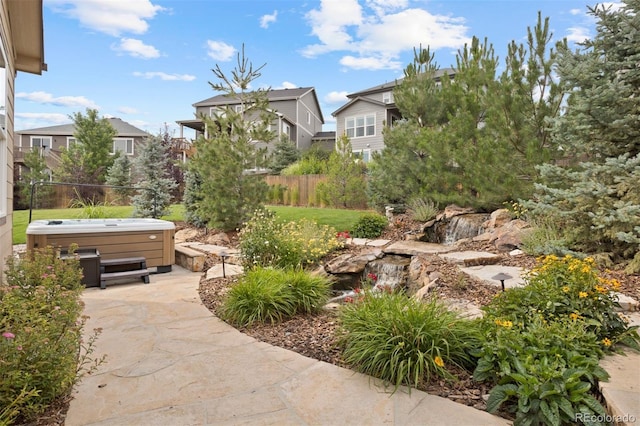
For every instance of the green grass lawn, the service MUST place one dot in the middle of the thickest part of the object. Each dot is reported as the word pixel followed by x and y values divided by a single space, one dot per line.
pixel 339 219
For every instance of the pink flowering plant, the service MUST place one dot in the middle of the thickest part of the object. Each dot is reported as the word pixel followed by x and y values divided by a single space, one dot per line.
pixel 41 349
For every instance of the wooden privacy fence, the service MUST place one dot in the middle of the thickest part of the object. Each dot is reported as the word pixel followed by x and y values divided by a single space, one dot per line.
pixel 298 191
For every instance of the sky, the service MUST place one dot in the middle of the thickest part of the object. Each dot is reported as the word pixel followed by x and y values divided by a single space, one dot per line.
pixel 148 61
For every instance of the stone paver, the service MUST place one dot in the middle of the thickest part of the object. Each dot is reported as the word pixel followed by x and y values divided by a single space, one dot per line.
pixel 413 248
pixel 171 362
pixel 471 258
pixel 622 391
pixel 487 272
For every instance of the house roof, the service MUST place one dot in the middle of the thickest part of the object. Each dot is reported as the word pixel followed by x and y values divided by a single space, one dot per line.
pixel 390 85
pixel 385 87
pixel 28 35
pixel 359 99
pixel 324 135
pixel 272 95
pixel 122 129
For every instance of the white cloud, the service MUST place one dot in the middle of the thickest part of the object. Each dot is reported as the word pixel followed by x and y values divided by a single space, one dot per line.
pixel 265 20
pixel 220 51
pixel 286 85
pixel 375 36
pixel 49 99
pixel 576 12
pixel 614 6
pixel 164 76
pixel 127 110
pixel 370 63
pixel 109 16
pixel 137 49
pixel 336 97
pixel 33 120
pixel 577 34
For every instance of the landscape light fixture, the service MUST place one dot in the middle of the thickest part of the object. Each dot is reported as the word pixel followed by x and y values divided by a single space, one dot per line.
pixel 501 277
pixel 223 255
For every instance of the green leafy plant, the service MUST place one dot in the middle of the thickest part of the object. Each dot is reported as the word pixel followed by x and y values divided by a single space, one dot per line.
pixel 544 341
pixel 265 241
pixel 403 341
pixel 423 209
pixel 89 208
pixel 271 295
pixel 41 350
pixel 369 225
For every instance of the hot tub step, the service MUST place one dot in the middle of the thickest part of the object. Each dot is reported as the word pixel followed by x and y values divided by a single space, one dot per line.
pixel 115 269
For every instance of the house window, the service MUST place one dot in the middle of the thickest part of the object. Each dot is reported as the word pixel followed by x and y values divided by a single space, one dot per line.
pixel 286 129
pixel 239 109
pixel 363 154
pixel 40 142
pixel 387 97
pixel 123 145
pixel 71 142
pixel 357 127
pixel 308 117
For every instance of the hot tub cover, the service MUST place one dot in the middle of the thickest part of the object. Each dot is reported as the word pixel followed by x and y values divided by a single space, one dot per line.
pixel 82 226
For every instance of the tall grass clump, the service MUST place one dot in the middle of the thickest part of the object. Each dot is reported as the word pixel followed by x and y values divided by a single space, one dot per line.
pixel 404 341
pixel 42 354
pixel 267 295
pixel 422 209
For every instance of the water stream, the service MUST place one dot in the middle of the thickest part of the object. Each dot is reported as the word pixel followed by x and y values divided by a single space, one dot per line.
pixel 391 271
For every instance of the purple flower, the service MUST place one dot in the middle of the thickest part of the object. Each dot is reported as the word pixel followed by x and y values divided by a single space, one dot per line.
pixel 8 335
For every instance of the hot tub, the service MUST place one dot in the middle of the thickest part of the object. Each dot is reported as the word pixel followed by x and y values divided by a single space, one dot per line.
pixel 152 239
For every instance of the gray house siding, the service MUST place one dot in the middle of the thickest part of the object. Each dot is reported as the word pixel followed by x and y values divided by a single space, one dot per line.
pixel 298 108
pixel 358 109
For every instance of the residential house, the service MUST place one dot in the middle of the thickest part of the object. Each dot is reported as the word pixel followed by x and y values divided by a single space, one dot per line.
pixel 366 114
pixel 21 49
pixel 298 113
pixel 53 139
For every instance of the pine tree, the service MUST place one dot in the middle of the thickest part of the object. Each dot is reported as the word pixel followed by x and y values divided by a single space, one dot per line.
pixel 229 192
pixel 345 185
pixel 119 174
pixel 87 161
pixel 284 153
pixel 154 195
pixel 594 195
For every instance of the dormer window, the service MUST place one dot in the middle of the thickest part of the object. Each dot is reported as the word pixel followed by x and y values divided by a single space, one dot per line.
pixel 387 97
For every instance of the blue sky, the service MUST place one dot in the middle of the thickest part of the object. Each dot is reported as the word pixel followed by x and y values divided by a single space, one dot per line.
pixel 148 61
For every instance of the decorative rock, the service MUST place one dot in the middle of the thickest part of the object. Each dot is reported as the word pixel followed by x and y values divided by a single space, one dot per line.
pixel 499 218
pixel 627 303
pixel 186 234
pixel 485 273
pixel 220 239
pixel 436 275
pixel 464 308
pixel 471 258
pixel 350 264
pixel 516 252
pixel 453 210
pixel 425 290
pixel 229 270
pixel 509 236
pixel 412 248
pixel 377 243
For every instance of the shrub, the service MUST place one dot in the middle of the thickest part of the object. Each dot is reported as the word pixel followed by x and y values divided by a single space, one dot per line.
pixel 271 295
pixel 403 341
pixel 544 341
pixel 423 209
pixel 369 225
pixel 41 351
pixel 264 241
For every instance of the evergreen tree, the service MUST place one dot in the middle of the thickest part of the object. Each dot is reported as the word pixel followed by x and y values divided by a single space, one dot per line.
pixel 88 160
pixel 119 174
pixel 284 153
pixel 192 199
pixel 345 185
pixel 154 196
pixel 475 140
pixel 36 172
pixel 174 166
pixel 593 195
pixel 229 193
